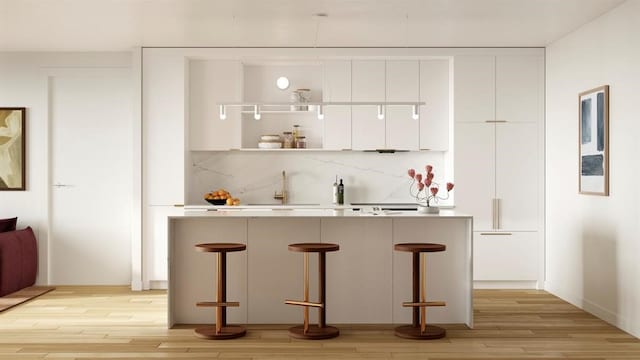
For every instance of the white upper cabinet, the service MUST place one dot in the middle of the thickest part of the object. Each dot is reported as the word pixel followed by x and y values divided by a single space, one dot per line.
pixel 163 129
pixel 474 88
pixel 337 119
pixel 402 84
pixel 519 88
pixel 368 84
pixel 435 77
pixel 212 82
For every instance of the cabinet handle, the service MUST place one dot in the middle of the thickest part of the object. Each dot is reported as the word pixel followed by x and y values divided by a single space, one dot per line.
pixel 496 233
pixel 498 212
pixel 178 205
pixel 493 214
pixel 495 121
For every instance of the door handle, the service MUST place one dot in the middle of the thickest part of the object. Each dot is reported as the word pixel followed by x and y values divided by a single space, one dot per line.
pixel 496 233
pixel 493 214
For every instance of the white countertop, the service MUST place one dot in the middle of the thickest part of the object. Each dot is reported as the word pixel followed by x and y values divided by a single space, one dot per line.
pixel 297 211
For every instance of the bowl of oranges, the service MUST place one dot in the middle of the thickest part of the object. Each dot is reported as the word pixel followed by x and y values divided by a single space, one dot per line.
pixel 221 197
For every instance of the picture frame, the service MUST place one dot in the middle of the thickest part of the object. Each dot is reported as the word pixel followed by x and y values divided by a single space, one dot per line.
pixel 593 141
pixel 13 148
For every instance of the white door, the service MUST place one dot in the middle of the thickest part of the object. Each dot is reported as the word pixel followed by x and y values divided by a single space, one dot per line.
pixel 90 176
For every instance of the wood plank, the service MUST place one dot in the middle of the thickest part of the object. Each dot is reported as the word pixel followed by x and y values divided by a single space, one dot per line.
pixel 99 322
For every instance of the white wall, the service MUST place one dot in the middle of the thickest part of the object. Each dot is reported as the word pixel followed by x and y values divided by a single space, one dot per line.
pixel 254 176
pixel 593 242
pixel 23 82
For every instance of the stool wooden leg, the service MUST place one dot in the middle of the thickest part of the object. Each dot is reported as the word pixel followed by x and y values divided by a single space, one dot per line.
pixel 306 292
pixel 416 288
pixel 321 290
pixel 423 294
pixel 221 296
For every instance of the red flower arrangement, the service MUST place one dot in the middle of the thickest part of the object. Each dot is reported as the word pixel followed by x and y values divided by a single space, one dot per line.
pixel 426 191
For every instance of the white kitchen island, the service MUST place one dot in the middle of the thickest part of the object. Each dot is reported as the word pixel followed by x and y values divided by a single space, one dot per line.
pixel 367 280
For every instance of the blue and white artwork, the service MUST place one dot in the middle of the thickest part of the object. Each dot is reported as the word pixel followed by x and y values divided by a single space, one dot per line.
pixel 594 127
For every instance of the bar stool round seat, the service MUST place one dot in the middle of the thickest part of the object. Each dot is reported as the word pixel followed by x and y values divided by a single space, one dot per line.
pixel 321 330
pixel 419 328
pixel 221 330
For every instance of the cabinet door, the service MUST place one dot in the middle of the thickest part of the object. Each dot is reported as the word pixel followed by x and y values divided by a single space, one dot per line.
pixel 435 78
pixel 519 88
pixel 368 84
pixel 402 84
pixel 371 273
pixel 475 172
pixel 212 82
pixel 474 89
pixel 275 273
pixel 505 256
pixel 518 174
pixel 163 129
pixel 337 119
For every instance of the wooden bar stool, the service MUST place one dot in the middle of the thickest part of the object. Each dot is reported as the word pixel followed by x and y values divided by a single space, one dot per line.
pixel 419 328
pixel 221 330
pixel 320 331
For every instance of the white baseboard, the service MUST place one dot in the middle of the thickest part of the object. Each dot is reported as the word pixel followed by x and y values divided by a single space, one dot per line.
pixel 136 285
pixel 483 284
pixel 607 315
pixel 158 285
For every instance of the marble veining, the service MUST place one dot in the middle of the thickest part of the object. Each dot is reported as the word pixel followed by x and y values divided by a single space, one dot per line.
pixel 254 176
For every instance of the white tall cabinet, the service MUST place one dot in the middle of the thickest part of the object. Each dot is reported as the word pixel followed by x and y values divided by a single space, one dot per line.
pixel 164 109
pixel 499 170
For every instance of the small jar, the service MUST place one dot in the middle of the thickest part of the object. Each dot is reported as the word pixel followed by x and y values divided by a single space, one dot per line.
pixel 301 142
pixel 287 140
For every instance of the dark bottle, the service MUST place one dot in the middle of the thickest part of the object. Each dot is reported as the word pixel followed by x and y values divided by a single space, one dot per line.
pixel 341 193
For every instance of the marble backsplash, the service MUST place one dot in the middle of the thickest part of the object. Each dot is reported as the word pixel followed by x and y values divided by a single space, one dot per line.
pixel 255 176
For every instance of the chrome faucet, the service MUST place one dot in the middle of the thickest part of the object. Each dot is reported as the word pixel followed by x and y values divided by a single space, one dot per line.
pixel 283 193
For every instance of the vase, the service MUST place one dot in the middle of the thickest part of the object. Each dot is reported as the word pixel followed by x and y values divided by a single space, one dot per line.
pixel 423 209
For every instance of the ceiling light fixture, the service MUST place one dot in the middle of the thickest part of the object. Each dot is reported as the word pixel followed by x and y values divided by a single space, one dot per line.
pixel 282 83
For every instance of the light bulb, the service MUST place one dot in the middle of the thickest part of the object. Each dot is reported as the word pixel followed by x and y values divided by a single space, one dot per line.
pixel 416 113
pixel 320 112
pixel 380 112
pixel 256 112
pixel 223 112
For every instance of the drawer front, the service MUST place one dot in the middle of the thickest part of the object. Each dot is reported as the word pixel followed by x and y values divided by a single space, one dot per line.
pixel 505 256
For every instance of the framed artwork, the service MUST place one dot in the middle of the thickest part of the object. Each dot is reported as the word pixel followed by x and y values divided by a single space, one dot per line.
pixel 593 141
pixel 12 148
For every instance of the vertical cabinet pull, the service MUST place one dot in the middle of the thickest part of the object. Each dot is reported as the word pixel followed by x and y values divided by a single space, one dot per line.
pixel 493 213
pixel 498 213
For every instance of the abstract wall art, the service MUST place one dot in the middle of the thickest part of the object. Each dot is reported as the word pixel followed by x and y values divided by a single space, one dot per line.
pixel 593 141
pixel 12 148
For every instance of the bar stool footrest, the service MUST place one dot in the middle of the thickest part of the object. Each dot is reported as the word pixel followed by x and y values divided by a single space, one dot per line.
pixel 424 304
pixel 218 304
pixel 304 303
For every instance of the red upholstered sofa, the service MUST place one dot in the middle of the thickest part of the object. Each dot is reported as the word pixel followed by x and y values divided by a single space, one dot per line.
pixel 18 260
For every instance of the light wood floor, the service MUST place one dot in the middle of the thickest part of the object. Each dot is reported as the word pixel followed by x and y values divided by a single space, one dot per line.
pixel 112 322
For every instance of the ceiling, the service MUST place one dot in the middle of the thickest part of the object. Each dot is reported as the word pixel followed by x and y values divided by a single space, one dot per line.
pixel 84 25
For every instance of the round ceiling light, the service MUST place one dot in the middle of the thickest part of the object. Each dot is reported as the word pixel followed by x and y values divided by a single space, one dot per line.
pixel 282 83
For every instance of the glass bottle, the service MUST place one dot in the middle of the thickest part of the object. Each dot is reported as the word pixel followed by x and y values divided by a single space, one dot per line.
pixel 287 140
pixel 301 142
pixel 295 133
